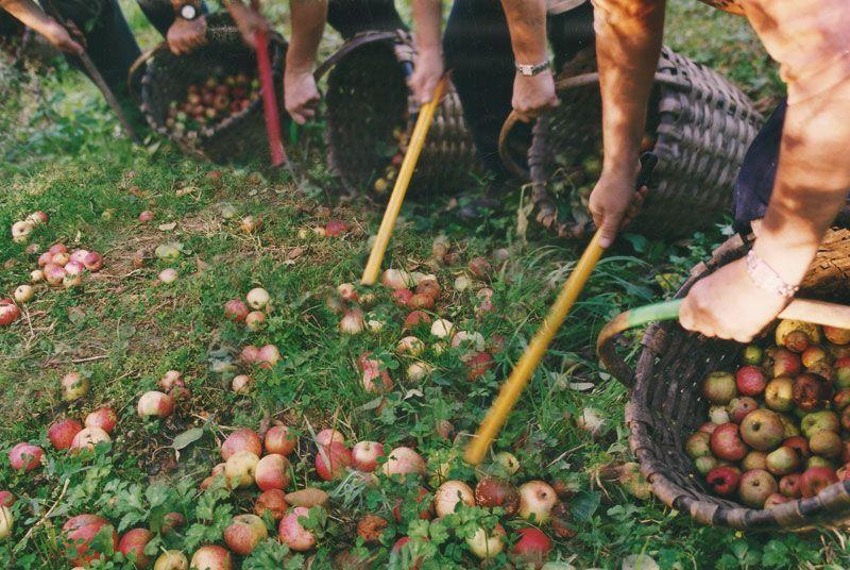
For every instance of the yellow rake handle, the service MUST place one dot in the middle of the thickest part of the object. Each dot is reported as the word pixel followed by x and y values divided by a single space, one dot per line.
pixel 512 388
pixel 411 157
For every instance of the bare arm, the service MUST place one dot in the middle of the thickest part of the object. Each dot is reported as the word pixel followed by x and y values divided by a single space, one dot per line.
pixel 527 25
pixel 628 45
pixel 300 92
pixel 31 15
pixel 428 67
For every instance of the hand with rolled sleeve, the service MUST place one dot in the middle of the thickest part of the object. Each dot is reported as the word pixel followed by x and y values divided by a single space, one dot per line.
pixel 30 14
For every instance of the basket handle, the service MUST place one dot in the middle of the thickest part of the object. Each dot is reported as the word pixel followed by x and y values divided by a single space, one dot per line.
pixel 816 312
pixel 563 85
pixel 140 63
pixel 351 45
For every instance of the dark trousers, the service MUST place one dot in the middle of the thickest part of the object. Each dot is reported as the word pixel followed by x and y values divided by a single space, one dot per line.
pixel 477 48
pixel 349 17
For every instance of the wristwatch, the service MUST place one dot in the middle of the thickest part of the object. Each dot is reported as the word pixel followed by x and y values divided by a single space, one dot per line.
pixel 188 12
pixel 532 69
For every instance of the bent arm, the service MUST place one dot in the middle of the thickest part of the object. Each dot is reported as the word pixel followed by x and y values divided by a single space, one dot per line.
pixel 308 24
pixel 427 38
pixel 31 15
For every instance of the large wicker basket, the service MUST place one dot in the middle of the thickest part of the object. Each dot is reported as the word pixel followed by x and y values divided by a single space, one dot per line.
pixel 370 115
pixel 666 404
pixel 165 77
pixel 699 125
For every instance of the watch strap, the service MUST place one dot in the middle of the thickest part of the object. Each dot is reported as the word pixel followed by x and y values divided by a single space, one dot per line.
pixel 766 278
pixel 530 69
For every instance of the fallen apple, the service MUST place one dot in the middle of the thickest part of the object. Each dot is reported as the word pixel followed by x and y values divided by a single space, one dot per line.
pixel 292 534
pixel 244 534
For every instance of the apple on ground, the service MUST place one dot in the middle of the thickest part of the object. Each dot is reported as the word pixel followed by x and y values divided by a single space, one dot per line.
pixel 293 534
pixel 332 461
pixel 88 438
pixel 240 468
pixel 403 461
pixel 79 532
pixel 104 418
pixel 211 557
pixel 536 501
pixel 279 440
pixel 132 546
pixel 273 502
pixel 826 444
pixel 532 547
pixel 245 533
pixel 272 472
pixel 61 433
pixel 450 494
pixel 365 455
pixel 486 544
pixel 25 456
pixel 171 560
pixel 494 492
pixel 241 440
pixel 816 422
pixel 7 522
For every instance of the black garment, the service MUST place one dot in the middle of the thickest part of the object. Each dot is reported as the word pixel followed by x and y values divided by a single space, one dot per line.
pixel 349 17
pixel 477 47
pixel 160 13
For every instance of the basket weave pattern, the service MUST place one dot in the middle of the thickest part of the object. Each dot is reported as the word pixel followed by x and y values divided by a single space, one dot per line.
pixel 166 78
pixel 369 108
pixel 666 405
pixel 702 126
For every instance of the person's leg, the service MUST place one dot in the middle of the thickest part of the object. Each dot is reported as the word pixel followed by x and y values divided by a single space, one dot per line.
pixel 477 48
pixel 570 32
pixel 350 17
pixel 758 172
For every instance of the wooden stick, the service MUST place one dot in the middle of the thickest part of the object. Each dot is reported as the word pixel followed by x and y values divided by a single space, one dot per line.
pixel 512 388
pixel 417 141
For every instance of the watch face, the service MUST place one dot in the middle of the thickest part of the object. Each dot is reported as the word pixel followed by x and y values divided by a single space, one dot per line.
pixel 188 12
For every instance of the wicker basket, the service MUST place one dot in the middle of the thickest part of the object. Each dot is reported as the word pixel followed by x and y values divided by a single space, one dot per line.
pixel 666 404
pixel 370 117
pixel 165 77
pixel 699 125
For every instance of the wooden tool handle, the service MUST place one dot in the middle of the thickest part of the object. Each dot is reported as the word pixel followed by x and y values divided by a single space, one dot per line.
pixel 278 154
pixel 816 312
pixel 411 157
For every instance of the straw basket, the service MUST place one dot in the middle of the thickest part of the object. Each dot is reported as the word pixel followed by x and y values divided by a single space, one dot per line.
pixel 699 125
pixel 159 77
pixel 666 404
pixel 370 116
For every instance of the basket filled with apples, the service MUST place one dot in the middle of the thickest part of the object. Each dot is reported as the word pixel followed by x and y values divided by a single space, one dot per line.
pixel 208 102
pixel 370 117
pixel 753 437
pixel 698 124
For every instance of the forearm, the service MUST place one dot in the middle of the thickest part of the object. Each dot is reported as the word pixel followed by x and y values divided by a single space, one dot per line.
pixel 628 45
pixel 427 26
pixel 811 185
pixel 27 12
pixel 308 24
pixel 527 25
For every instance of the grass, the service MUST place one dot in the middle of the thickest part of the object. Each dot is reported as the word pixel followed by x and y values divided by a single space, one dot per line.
pixel 123 329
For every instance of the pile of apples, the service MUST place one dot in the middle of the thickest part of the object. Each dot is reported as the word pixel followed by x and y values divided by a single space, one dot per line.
pixel 382 184
pixel 246 467
pixel 252 311
pixel 779 426
pixel 22 229
pixel 161 403
pixel 206 105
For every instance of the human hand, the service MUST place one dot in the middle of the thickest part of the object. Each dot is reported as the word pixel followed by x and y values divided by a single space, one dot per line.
pixel 428 68
pixel 533 95
pixel 248 21
pixel 59 37
pixel 300 95
pixel 186 35
pixel 729 305
pixel 614 203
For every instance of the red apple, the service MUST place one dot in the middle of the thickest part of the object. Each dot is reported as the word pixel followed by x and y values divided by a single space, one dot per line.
pixel 799 444
pixel 478 365
pixel 797 341
pixel 403 461
pixel 61 433
pixel 211 557
pixel 244 534
pixel 235 310
pixel 841 399
pixel 327 436
pixel 171 560
pixel 155 404
pixel 789 485
pixel 532 547
pixel 25 456
pixel 292 534
pixel 371 529
pixel 750 380
pixel 332 461
pixel 103 418
pixel 708 427
pixel 365 455
pixel 7 499
pixel 493 492
pixel 536 500
pixel 740 407
pixel 425 512
pixel 241 440
pixel 415 318
pixel 816 479
pixel 132 546
pixel 775 499
pixel 88 438
pixel 171 521
pixel 272 472
pixel 813 355
pixel 78 533
pixel 724 480
pixel 726 443
pixel 786 363
pixel 9 312
pixel 279 440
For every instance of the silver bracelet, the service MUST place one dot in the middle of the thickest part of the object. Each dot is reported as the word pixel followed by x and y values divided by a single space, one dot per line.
pixel 765 278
